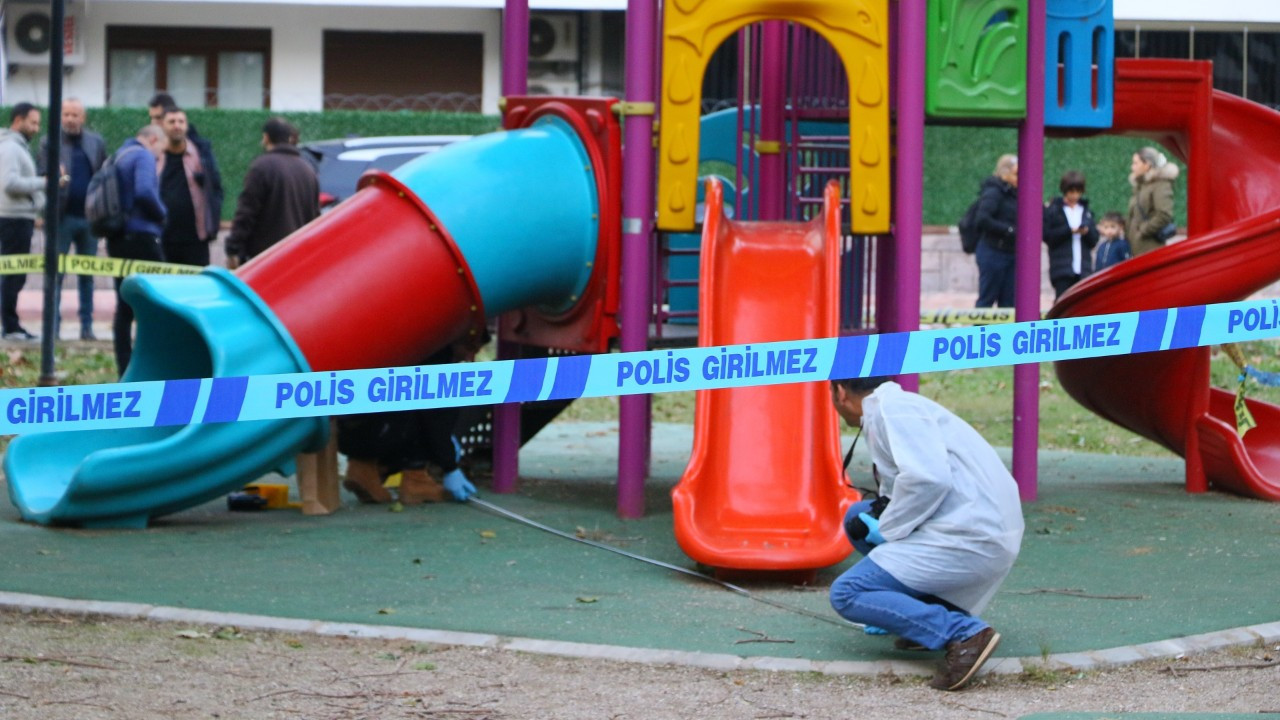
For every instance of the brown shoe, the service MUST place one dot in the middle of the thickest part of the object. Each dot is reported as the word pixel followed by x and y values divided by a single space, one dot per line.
pixel 417 487
pixel 964 658
pixel 905 644
pixel 365 483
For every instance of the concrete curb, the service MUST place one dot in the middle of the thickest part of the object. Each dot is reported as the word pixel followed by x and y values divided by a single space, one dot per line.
pixel 1093 660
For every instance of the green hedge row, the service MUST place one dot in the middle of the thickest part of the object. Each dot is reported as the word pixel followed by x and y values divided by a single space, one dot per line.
pixel 956 158
pixel 236 134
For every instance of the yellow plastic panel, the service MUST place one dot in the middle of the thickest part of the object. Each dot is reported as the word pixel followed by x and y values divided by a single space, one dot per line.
pixel 857 29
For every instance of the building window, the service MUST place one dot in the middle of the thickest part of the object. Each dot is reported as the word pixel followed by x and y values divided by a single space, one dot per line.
pixel 1263 52
pixel 403 70
pixel 199 67
pixel 1226 50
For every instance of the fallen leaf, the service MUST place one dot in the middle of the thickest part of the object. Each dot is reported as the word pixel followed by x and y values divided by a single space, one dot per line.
pixel 387 611
pixel 488 534
pixel 583 599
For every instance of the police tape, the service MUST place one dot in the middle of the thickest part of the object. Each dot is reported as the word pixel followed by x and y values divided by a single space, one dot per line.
pixel 92 265
pixel 278 397
pixel 967 316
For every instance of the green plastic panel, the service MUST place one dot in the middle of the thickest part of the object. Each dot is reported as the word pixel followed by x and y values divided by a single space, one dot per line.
pixel 977 59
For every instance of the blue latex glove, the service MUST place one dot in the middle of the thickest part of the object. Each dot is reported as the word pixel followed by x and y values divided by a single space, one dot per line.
pixel 459 486
pixel 873 528
pixel 873 630
pixel 457 448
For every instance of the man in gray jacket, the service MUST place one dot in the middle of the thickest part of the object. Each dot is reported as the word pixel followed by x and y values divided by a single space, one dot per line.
pixel 83 152
pixel 21 200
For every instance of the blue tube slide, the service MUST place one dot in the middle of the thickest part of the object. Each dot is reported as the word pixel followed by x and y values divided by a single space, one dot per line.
pixel 522 209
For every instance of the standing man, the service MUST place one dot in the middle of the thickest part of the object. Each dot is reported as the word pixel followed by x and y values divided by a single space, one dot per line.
pixel 941 537
pixel 140 239
pixel 21 200
pixel 191 188
pixel 281 194
pixel 83 152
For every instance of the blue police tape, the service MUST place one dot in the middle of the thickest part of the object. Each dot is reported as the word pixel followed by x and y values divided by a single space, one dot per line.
pixel 274 397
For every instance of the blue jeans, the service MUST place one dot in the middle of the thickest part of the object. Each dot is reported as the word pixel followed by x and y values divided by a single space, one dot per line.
pixel 867 594
pixel 995 277
pixel 74 231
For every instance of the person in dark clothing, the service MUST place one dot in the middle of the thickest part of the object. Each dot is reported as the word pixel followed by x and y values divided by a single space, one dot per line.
pixel 155 110
pixel 191 188
pixel 998 232
pixel 1071 234
pixel 82 153
pixel 140 240
pixel 414 442
pixel 1113 248
pixel 280 195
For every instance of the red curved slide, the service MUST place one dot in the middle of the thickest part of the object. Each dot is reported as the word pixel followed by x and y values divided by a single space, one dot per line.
pixel 1232 148
pixel 764 489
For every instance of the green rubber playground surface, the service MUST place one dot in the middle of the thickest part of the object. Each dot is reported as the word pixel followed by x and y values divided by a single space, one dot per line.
pixel 1115 554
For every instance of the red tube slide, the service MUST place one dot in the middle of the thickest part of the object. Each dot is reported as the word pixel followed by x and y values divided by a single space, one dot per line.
pixel 1232 148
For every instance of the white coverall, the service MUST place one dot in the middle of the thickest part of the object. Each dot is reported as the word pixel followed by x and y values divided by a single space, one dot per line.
pixel 954 525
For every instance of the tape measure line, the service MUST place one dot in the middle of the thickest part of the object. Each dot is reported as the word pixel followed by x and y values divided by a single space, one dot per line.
pixel 92 265
pixel 277 397
pixel 737 589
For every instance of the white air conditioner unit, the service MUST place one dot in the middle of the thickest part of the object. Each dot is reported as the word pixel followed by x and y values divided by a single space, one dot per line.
pixel 551 83
pixel 558 88
pixel 553 37
pixel 30 35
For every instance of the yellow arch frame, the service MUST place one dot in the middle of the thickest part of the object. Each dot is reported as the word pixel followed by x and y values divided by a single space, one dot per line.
pixel 857 29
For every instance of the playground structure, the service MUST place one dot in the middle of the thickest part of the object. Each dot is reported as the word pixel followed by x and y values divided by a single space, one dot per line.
pixel 548 227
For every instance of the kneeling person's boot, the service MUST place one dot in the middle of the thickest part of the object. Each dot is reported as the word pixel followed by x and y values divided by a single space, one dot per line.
pixel 365 483
pixel 417 487
pixel 964 658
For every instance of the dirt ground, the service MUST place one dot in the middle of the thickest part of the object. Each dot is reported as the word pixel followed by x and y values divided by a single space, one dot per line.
pixel 54 667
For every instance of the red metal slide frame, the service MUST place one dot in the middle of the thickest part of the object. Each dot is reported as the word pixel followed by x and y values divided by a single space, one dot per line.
pixel 1232 148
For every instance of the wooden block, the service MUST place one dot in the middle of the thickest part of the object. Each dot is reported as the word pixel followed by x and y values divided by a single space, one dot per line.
pixel 318 478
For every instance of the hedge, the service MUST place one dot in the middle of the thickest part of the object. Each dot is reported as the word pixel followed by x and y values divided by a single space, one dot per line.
pixel 956 158
pixel 236 134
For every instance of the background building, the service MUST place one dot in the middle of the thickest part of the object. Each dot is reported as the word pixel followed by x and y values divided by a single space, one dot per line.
pixel 445 54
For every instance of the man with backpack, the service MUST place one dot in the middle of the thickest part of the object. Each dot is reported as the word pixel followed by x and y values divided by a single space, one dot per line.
pixel 138 236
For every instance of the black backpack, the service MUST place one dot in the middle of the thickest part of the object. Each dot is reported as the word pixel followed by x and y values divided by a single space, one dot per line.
pixel 103 203
pixel 969 228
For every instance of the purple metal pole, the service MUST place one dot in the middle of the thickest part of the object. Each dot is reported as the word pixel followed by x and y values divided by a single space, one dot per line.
pixel 773 102
pixel 637 228
pixel 506 418
pixel 908 195
pixel 1026 378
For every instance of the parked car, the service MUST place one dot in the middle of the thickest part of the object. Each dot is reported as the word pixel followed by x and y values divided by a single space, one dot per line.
pixel 340 163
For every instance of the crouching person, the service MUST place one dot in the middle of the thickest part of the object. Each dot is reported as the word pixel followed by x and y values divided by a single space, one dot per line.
pixel 941 538
pixel 419 444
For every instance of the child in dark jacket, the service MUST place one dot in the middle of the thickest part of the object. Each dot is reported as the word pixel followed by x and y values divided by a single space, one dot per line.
pixel 1114 247
pixel 1070 232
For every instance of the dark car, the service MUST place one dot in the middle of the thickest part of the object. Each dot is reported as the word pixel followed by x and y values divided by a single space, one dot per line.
pixel 340 163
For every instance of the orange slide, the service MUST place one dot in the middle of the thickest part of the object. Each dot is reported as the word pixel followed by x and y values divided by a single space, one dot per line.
pixel 764 489
pixel 1232 147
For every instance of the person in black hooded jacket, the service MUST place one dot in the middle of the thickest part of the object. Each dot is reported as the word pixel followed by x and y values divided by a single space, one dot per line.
pixel 1071 233
pixel 998 231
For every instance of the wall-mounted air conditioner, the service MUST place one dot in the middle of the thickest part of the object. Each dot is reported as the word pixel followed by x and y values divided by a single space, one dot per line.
pixel 553 86
pixel 30 34
pixel 553 37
